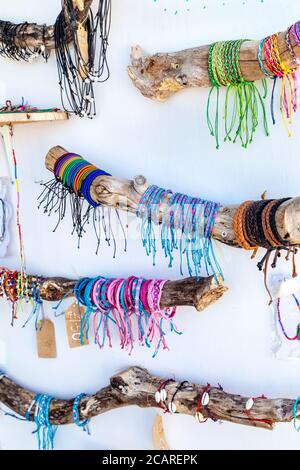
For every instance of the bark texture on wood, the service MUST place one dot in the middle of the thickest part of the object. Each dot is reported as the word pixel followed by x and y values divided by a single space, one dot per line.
pixel 161 75
pixel 199 293
pixel 136 386
pixel 124 194
pixel 35 36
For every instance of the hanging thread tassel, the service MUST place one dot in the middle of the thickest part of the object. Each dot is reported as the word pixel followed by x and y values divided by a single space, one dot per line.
pixel 243 101
pixel 186 226
pixel 71 187
pixel 125 304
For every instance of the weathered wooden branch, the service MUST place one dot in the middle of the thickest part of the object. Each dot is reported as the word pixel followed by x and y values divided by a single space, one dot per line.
pixel 199 293
pixel 161 75
pixel 35 35
pixel 136 386
pixel 124 194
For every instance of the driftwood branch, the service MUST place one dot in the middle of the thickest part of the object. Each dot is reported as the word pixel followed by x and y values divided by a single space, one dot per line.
pixel 199 293
pixel 124 194
pixel 136 386
pixel 161 75
pixel 35 35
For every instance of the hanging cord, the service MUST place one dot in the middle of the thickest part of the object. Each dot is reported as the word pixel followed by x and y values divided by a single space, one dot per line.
pixel 243 101
pixel 73 182
pixel 14 44
pixel 3 225
pixel 186 225
pixel 76 72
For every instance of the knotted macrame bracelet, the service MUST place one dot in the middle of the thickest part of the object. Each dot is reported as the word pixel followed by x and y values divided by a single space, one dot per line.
pixel 73 181
pixel 186 225
pixel 254 226
pixel 242 116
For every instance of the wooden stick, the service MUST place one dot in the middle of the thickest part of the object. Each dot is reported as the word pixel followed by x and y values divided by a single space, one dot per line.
pixel 35 35
pixel 162 75
pixel 199 293
pixel 136 386
pixel 124 194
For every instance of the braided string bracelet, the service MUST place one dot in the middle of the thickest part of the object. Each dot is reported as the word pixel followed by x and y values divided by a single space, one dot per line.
pixel 254 225
pixel 186 225
pixel 248 407
pixel 76 414
pixel 241 119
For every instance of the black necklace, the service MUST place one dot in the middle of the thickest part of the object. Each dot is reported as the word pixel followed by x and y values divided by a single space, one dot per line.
pixel 77 73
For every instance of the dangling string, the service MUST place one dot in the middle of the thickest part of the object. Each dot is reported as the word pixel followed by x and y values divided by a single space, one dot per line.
pixel 275 68
pixel 45 431
pixel 186 226
pixel 14 44
pixel 240 116
pixel 254 226
pixel 78 69
pixel 76 414
pixel 124 303
pixel 73 181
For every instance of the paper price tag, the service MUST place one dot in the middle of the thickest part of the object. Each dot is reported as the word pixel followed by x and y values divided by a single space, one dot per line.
pixel 46 341
pixel 73 316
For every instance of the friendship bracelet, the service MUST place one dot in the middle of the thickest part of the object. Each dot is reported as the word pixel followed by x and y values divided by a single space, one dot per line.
pixel 76 413
pixel 254 225
pixel 241 119
pixel 74 178
pixel 187 225
pixel 203 403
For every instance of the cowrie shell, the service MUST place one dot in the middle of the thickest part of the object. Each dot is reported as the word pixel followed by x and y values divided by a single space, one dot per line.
pixel 163 395
pixel 157 397
pixel 205 399
pixel 199 417
pixel 172 407
pixel 249 404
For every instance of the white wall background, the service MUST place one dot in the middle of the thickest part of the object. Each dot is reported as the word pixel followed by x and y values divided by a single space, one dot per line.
pixel 169 143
